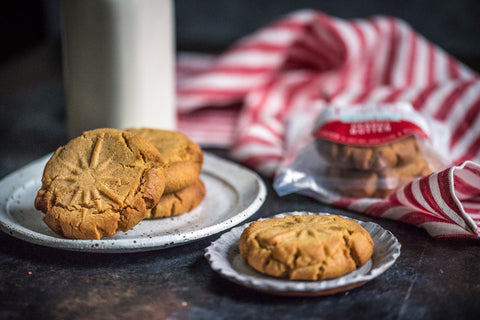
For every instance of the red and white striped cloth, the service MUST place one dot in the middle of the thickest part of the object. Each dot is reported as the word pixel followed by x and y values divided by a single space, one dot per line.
pixel 242 99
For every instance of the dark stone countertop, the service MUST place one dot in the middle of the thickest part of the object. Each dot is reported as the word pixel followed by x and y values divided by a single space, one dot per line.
pixel 432 279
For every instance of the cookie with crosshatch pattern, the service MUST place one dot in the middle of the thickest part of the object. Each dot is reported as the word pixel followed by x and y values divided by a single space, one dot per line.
pixel 99 183
pixel 306 247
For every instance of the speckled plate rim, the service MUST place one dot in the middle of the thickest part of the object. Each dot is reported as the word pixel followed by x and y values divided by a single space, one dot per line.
pixel 224 257
pixel 227 171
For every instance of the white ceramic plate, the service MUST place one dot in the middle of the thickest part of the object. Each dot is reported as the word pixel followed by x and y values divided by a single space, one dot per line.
pixel 234 193
pixel 224 257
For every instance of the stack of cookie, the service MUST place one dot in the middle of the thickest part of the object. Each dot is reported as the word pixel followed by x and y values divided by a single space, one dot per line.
pixel 184 190
pixel 108 180
pixel 372 171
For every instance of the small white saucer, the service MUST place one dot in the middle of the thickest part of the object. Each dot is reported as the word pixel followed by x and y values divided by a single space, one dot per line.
pixel 224 258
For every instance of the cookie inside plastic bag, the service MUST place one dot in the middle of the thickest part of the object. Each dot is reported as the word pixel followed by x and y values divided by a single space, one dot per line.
pixel 358 151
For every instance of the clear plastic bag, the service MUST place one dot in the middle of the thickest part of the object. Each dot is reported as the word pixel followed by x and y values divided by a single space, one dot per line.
pixel 358 151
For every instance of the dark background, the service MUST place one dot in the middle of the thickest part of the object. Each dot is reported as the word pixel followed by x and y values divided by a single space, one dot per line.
pixel 433 279
pixel 213 25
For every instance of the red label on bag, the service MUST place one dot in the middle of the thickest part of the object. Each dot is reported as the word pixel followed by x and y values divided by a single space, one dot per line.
pixel 370 126
pixel 367 132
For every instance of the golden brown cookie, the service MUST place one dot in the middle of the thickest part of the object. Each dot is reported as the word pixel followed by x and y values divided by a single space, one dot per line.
pixel 183 157
pixel 353 183
pixel 375 184
pixel 99 183
pixel 392 179
pixel 179 202
pixel 306 247
pixel 379 157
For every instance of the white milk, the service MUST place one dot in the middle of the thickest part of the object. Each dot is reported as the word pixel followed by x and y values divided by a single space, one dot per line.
pixel 118 58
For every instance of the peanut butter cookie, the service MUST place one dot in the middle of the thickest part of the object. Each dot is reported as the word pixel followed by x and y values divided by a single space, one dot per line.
pixel 183 157
pixel 99 183
pixel 306 247
pixel 376 184
pixel 379 157
pixel 179 202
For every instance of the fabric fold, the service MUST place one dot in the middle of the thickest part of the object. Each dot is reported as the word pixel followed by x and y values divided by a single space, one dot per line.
pixel 242 99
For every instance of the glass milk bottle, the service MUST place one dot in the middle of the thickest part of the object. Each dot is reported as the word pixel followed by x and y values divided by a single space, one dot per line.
pixel 118 60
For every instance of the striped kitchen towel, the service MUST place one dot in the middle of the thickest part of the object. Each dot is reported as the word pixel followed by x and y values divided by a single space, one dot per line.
pixel 242 99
